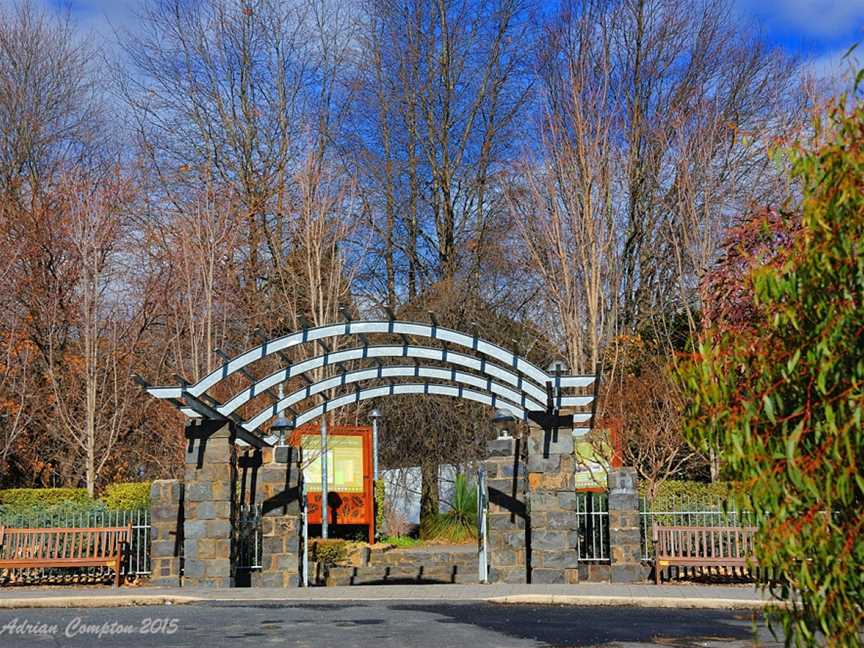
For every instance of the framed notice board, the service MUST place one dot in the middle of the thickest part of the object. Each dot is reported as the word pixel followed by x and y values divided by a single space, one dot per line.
pixel 349 475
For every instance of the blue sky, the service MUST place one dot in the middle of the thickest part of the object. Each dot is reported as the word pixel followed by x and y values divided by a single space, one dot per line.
pixel 819 30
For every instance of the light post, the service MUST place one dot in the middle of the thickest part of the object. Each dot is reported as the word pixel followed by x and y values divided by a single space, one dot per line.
pixel 505 423
pixel 324 484
pixel 281 427
pixel 375 414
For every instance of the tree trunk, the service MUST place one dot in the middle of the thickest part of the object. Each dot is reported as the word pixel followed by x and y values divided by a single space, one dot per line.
pixel 428 490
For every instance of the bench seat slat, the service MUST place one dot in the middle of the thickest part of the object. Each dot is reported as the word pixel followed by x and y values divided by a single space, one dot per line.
pixel 702 547
pixel 64 547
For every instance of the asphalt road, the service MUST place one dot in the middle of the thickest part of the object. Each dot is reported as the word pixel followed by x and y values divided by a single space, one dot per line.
pixel 378 625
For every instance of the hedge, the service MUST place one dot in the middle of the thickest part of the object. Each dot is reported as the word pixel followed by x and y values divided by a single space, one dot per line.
pixel 130 496
pixel 37 498
pixel 672 493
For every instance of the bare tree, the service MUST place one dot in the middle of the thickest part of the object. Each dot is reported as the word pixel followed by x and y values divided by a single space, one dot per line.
pixel 191 255
pixel 655 128
pixel 18 402
pixel 50 105
pixel 89 372
pixel 565 207
pixel 441 89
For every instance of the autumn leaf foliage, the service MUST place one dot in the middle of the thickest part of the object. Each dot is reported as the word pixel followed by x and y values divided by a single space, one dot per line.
pixel 777 382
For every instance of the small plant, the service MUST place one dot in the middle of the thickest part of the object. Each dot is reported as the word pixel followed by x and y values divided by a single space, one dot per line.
pixel 330 552
pixel 380 505
pixel 459 524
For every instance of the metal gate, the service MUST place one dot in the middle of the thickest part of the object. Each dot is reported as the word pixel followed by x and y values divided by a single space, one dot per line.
pixel 249 538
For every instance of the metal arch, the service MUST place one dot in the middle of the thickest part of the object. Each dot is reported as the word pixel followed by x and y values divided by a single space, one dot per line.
pixel 527 390
pixel 417 388
pixel 480 365
pixel 400 371
pixel 364 327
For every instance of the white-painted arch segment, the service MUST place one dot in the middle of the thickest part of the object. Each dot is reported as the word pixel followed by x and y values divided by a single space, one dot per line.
pixel 408 371
pixel 481 365
pixel 395 327
pixel 406 389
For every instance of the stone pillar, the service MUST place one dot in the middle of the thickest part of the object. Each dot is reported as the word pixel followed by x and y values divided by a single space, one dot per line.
pixel 166 532
pixel 277 491
pixel 209 504
pixel 551 501
pixel 624 534
pixel 507 523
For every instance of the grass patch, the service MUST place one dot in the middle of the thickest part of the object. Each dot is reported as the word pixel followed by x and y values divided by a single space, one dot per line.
pixel 401 541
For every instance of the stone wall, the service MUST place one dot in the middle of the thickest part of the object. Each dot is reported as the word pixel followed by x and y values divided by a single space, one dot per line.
pixel 533 525
pixel 508 528
pixel 552 507
pixel 209 504
pixel 532 521
pixel 166 532
pixel 276 489
pixel 624 533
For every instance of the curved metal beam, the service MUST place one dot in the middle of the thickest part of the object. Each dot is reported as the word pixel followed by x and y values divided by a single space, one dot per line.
pixel 407 371
pixel 414 388
pixel 481 365
pixel 393 327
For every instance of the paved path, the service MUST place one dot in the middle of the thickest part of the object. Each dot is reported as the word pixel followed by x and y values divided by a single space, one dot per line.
pixel 379 624
pixel 678 596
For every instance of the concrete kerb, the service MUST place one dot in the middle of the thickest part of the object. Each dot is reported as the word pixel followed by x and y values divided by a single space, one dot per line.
pixel 433 594
pixel 125 600
pixel 635 601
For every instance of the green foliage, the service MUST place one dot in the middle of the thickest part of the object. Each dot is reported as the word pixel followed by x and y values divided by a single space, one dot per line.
pixel 330 552
pixel 380 503
pixel 60 503
pixel 28 499
pixel 779 392
pixel 673 493
pixel 459 524
pixel 130 496
pixel 401 541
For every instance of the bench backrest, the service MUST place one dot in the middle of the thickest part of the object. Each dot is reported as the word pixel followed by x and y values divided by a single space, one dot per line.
pixel 63 543
pixel 707 542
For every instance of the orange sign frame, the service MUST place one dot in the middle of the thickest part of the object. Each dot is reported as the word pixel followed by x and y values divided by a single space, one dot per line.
pixel 344 508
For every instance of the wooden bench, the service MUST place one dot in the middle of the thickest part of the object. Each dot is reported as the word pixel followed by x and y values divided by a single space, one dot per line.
pixel 694 546
pixel 65 547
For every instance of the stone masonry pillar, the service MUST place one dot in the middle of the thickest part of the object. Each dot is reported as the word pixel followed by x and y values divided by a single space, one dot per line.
pixel 166 531
pixel 554 523
pixel 209 504
pixel 507 523
pixel 624 533
pixel 277 491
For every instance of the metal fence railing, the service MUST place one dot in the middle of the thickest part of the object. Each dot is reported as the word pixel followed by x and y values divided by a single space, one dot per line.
pixel 592 537
pixel 249 537
pixel 592 510
pixel 701 513
pixel 138 559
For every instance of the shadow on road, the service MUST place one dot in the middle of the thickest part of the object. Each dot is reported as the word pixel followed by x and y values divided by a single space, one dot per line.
pixel 585 626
